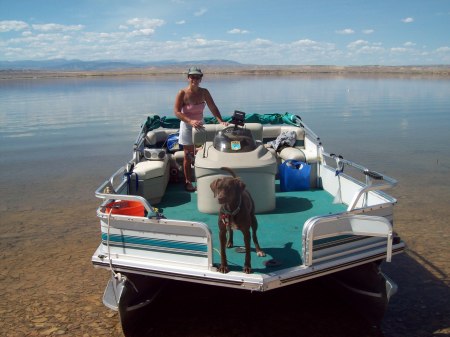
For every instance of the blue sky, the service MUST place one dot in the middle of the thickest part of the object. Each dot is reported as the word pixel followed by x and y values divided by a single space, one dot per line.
pixel 315 32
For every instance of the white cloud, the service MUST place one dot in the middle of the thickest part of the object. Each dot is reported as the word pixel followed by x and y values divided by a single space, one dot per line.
pixel 48 27
pixel 145 23
pixel 408 20
pixel 9 25
pixel 140 32
pixel 443 49
pixel 261 42
pixel 371 50
pixel 130 40
pixel 346 31
pixel 200 12
pixel 360 47
pixel 181 22
pixel 312 46
pixel 238 31
pixel 139 26
pixel 368 31
pixel 399 50
pixel 305 42
pixel 357 44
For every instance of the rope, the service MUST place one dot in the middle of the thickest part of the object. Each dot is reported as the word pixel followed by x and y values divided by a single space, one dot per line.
pixel 118 276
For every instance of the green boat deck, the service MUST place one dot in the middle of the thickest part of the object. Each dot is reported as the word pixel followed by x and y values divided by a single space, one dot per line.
pixel 279 231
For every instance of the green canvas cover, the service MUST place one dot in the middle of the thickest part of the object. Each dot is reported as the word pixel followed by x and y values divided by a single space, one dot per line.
pixel 155 121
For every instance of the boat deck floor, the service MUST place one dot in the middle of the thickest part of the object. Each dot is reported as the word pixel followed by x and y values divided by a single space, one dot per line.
pixel 279 231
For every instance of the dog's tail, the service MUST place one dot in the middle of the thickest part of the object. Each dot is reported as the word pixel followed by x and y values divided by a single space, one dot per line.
pixel 229 170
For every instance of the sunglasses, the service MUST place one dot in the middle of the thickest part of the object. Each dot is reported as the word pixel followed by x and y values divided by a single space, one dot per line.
pixel 196 77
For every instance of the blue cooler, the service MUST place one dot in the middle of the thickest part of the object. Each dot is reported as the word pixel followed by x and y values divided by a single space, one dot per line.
pixel 294 176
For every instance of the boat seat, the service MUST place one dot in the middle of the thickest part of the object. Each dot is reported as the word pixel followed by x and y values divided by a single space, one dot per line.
pixel 153 176
pixel 271 132
pixel 158 136
pixel 207 134
pixel 298 152
pixel 149 169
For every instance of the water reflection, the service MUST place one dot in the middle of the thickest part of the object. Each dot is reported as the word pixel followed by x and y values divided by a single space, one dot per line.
pixel 381 113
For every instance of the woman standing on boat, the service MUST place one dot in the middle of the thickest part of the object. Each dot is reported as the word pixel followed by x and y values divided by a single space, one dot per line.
pixel 189 105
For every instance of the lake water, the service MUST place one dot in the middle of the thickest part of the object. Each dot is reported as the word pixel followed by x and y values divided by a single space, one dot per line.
pixel 402 119
pixel 61 127
pixel 61 138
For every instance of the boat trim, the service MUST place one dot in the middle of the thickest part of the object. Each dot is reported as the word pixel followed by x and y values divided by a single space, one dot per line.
pixel 254 282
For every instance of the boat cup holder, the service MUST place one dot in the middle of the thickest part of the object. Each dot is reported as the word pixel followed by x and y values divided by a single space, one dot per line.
pixel 235 138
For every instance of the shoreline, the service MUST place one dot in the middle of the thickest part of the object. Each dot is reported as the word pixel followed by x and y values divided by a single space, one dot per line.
pixel 245 70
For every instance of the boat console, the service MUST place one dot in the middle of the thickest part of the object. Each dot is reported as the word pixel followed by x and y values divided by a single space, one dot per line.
pixel 235 147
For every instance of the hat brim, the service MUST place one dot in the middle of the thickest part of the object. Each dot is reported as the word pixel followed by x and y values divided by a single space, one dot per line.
pixel 195 73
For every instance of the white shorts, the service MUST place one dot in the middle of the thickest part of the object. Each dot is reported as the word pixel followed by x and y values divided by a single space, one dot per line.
pixel 185 137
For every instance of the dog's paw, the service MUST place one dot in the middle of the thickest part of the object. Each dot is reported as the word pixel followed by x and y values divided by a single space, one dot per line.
pixel 223 269
pixel 260 253
pixel 247 269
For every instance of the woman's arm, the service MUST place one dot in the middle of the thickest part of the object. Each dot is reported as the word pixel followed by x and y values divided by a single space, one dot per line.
pixel 212 106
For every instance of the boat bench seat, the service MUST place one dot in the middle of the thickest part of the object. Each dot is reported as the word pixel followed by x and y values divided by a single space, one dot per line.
pixel 298 152
pixel 158 136
pixel 208 133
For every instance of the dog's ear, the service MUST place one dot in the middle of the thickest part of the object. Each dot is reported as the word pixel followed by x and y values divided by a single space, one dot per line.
pixel 241 184
pixel 214 185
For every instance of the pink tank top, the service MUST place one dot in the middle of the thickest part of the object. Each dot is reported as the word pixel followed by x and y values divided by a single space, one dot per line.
pixel 194 111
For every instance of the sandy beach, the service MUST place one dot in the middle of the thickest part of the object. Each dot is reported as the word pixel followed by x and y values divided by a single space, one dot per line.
pixel 241 70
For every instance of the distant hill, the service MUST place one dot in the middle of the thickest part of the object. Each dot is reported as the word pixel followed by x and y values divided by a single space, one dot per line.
pixel 75 68
pixel 78 65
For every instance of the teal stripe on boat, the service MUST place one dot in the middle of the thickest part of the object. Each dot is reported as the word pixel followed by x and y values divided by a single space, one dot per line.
pixel 146 248
pixel 169 244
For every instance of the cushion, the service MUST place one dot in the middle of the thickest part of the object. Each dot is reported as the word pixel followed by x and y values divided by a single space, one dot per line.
pixel 149 169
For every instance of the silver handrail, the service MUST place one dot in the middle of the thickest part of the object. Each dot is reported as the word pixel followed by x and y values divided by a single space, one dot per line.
pixel 102 193
pixel 385 182
pixel 356 224
pixel 363 169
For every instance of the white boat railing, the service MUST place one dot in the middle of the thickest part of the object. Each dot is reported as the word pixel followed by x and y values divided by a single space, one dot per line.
pixel 323 227
pixel 375 181
pixel 106 191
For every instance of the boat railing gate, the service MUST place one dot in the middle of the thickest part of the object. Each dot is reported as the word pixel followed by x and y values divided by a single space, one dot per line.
pixel 322 227
pixel 375 181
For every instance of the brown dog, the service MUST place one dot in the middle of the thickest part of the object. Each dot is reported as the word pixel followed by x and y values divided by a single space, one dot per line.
pixel 237 212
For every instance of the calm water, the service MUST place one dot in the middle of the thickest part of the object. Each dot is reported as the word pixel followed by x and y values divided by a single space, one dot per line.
pixel 390 125
pixel 60 138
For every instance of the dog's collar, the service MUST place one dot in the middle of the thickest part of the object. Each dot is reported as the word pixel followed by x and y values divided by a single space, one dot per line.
pixel 233 213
